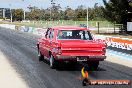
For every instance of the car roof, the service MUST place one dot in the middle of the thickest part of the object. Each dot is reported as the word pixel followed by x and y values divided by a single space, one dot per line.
pixel 69 28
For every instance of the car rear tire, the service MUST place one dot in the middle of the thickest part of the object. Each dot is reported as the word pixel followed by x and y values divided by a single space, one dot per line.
pixel 41 57
pixel 93 65
pixel 52 62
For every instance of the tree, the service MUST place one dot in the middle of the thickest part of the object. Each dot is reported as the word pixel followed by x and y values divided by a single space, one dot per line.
pixel 116 11
pixel 95 13
pixel 62 15
pixel 34 14
pixel 55 11
pixel 69 13
pixel 81 13
pixel 17 14
pixel 98 12
pixel 47 14
pixel 129 11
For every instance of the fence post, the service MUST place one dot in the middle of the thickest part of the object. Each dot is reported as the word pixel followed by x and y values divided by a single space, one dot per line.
pixel 98 27
pixel 114 27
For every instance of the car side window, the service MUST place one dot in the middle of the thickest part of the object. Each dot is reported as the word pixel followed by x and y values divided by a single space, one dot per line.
pixel 87 36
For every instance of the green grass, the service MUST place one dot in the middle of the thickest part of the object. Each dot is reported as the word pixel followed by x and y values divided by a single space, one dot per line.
pixel 62 22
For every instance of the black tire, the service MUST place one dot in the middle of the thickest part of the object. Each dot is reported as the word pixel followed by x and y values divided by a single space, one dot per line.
pixel 41 57
pixel 53 62
pixel 84 82
pixel 93 65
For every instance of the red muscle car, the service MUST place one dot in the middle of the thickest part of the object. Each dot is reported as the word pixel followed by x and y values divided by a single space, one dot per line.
pixel 72 44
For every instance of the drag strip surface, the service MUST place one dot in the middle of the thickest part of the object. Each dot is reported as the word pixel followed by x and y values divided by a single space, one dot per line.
pixel 21 52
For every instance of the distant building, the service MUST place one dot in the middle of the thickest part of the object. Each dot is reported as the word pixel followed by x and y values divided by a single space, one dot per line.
pixel 4 13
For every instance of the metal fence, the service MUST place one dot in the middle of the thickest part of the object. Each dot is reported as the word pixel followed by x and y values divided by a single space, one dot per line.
pixel 95 26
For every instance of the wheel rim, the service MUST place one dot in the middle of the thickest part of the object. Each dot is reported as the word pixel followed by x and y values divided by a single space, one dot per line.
pixel 51 61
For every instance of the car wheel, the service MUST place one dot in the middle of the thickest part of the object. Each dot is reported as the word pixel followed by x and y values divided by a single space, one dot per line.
pixel 52 62
pixel 41 57
pixel 93 65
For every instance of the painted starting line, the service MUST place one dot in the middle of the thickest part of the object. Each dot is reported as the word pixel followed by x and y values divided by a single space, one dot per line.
pixel 119 54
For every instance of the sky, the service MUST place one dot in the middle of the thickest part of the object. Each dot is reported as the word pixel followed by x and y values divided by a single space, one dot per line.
pixel 46 3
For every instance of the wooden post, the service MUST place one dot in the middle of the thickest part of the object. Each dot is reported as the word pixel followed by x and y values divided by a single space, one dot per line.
pixel 98 27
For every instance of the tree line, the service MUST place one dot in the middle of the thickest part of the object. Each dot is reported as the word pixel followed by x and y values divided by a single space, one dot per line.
pixel 116 11
pixel 56 13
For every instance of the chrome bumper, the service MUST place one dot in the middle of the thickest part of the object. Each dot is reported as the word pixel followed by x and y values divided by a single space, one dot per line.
pixel 85 58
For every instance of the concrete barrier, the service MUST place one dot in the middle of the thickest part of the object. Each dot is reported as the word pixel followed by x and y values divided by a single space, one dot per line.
pixel 30 29
pixel 24 28
pixel 9 26
pixel 40 31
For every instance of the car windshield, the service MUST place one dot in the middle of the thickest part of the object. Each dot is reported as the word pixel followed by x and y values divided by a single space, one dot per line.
pixel 74 34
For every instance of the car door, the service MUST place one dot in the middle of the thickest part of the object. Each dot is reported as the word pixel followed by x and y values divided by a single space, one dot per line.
pixel 50 42
pixel 43 44
pixel 47 44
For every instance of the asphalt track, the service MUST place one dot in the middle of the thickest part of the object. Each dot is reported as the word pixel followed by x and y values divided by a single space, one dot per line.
pixel 21 52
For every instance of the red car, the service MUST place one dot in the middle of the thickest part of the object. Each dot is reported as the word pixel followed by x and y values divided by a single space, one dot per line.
pixel 72 44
